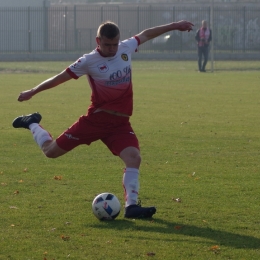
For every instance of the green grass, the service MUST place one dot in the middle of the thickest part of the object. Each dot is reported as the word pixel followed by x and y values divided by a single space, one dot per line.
pixel 199 137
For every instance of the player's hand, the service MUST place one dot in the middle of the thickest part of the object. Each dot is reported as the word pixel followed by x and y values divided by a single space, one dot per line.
pixel 25 95
pixel 184 26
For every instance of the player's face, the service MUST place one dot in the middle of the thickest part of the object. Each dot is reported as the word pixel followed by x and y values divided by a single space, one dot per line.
pixel 108 47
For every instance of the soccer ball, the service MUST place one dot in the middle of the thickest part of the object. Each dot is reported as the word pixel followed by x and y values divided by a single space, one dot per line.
pixel 106 206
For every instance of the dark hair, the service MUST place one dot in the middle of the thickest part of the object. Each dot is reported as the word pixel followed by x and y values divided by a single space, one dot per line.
pixel 108 29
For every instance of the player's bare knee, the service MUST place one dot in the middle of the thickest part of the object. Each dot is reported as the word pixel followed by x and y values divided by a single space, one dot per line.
pixel 134 160
pixel 131 157
pixel 138 159
pixel 49 154
pixel 51 150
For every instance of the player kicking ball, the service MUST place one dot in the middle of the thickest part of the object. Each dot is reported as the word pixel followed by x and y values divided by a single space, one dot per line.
pixel 109 73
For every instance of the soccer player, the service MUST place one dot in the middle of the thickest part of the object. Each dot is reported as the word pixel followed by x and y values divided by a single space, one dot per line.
pixel 108 69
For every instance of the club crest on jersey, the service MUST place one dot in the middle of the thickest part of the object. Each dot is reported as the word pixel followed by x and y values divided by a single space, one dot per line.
pixel 103 67
pixel 124 57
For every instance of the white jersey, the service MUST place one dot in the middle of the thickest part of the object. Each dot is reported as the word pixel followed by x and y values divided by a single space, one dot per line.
pixel 110 78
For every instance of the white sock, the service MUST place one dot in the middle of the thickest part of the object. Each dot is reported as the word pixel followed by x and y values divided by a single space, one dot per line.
pixel 39 134
pixel 131 186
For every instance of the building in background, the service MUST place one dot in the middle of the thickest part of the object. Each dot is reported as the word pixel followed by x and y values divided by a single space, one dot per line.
pixel 149 1
pixel 47 30
pixel 39 3
pixel 23 3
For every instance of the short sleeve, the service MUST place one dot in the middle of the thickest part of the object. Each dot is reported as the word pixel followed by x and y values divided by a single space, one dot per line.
pixel 132 43
pixel 78 68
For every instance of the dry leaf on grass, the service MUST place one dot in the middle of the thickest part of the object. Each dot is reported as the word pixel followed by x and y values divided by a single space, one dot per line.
pixel 65 238
pixel 177 227
pixel 58 178
pixel 215 249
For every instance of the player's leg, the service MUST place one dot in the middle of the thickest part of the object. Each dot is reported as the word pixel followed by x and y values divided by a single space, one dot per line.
pixel 123 142
pixel 132 159
pixel 52 150
pixel 40 135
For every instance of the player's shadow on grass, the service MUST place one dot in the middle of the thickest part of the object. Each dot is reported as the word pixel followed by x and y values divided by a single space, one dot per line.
pixel 219 237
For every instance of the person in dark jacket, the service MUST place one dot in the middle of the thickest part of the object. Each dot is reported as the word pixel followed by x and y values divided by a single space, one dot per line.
pixel 203 38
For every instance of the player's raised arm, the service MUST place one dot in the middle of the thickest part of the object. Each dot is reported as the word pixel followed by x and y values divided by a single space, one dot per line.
pixel 153 32
pixel 47 84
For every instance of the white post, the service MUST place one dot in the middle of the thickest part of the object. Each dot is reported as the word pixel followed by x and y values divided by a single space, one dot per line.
pixel 212 31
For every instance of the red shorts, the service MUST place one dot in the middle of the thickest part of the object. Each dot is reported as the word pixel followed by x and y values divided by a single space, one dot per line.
pixel 114 131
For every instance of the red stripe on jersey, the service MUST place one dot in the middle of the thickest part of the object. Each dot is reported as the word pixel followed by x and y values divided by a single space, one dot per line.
pixel 138 40
pixel 72 74
pixel 99 51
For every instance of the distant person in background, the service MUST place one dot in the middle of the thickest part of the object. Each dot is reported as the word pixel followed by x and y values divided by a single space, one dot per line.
pixel 203 38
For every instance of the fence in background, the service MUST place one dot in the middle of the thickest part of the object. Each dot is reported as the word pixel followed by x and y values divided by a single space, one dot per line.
pixel 73 28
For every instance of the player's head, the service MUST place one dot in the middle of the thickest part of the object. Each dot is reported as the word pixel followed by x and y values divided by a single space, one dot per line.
pixel 108 29
pixel 204 23
pixel 108 35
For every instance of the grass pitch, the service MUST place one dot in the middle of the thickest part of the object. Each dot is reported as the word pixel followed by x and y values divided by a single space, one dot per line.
pixel 199 137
